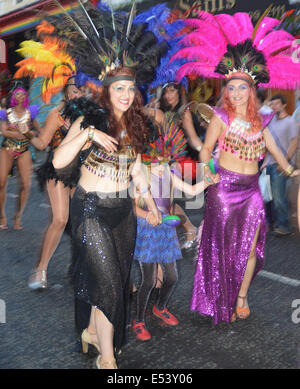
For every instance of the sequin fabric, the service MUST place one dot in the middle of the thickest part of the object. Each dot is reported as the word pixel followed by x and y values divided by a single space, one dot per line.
pixel 234 211
pixel 58 137
pixel 103 240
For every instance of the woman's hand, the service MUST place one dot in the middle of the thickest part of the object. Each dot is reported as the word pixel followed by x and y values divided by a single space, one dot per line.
pixel 23 128
pixel 154 217
pixel 295 173
pixel 211 181
pixel 210 177
pixel 107 142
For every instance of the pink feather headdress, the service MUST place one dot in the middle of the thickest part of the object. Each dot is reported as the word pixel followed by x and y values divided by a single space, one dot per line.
pixel 221 45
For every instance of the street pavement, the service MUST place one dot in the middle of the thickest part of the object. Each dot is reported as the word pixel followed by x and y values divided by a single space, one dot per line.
pixel 38 330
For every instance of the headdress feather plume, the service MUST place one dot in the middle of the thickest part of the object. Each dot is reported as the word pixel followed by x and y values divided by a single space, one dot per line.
pixel 220 45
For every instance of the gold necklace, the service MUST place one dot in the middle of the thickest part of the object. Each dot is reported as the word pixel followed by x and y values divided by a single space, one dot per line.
pixel 14 119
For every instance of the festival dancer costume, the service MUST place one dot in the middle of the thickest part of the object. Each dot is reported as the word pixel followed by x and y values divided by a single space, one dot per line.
pixel 14 146
pixel 47 58
pixel 159 244
pixel 103 224
pixel 224 45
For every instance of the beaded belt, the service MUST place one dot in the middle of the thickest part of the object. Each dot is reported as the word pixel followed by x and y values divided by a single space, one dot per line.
pixel 16 147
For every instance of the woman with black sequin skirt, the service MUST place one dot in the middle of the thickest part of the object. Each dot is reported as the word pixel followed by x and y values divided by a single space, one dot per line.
pixel 102 217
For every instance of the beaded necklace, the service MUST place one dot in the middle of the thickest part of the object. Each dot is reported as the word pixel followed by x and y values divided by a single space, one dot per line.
pixel 241 141
pixel 14 119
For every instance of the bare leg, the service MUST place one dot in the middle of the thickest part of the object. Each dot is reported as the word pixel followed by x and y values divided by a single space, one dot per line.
pixel 190 229
pixel 59 197
pixel 159 277
pixel 24 163
pixel 104 330
pixel 6 162
pixel 242 300
pixel 186 223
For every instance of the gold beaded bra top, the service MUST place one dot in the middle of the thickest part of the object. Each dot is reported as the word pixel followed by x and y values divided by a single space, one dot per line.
pixel 112 165
pixel 242 141
pixel 13 119
pixel 13 145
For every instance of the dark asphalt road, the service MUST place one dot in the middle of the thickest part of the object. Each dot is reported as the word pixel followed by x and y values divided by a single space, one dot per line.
pixel 39 330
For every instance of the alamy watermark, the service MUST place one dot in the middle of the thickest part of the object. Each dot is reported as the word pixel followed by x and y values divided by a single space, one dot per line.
pixel 296 311
pixel 146 182
pixel 2 311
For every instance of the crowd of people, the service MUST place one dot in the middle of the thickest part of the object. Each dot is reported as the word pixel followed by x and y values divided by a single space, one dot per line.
pixel 116 163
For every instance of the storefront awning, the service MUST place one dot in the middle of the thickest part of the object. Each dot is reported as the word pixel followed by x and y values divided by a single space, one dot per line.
pixel 28 17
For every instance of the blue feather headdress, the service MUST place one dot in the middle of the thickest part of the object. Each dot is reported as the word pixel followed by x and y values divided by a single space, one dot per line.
pixel 157 22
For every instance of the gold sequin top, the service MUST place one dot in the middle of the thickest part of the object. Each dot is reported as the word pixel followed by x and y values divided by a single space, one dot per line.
pixel 242 141
pixel 112 165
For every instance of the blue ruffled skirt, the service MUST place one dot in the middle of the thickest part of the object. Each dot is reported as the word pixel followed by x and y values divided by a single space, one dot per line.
pixel 156 244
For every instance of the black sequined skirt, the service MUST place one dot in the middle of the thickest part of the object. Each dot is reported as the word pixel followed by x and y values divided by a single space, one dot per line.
pixel 103 236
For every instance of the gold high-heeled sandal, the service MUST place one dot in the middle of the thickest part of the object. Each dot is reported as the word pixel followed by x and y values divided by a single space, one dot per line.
pixel 86 340
pixel 105 365
pixel 242 313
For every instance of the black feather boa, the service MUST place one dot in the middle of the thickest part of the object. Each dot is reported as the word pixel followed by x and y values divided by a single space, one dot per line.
pixel 93 115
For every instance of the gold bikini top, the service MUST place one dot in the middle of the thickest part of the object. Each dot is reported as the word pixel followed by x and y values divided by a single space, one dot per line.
pixel 12 118
pixel 112 165
pixel 240 140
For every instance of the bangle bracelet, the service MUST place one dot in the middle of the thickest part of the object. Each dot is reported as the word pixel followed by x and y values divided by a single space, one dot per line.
pixel 91 133
pixel 199 148
pixel 289 170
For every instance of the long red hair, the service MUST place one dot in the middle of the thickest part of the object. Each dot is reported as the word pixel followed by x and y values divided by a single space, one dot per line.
pixel 253 115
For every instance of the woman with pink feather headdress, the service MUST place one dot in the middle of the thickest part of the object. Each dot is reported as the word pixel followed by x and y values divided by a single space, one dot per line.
pixel 231 250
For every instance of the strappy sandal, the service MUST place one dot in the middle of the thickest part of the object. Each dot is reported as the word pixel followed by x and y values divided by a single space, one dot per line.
pixel 106 365
pixel 86 340
pixel 242 313
pixel 191 239
pixel 3 226
pixel 18 224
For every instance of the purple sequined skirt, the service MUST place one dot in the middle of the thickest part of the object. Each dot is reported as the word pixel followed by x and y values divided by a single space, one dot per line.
pixel 234 211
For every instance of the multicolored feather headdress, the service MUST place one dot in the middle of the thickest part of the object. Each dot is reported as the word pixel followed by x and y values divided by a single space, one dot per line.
pixel 47 59
pixel 169 147
pixel 223 46
pixel 101 40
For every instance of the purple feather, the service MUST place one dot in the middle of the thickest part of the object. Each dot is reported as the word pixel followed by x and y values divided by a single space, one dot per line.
pixel 3 115
pixel 34 110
